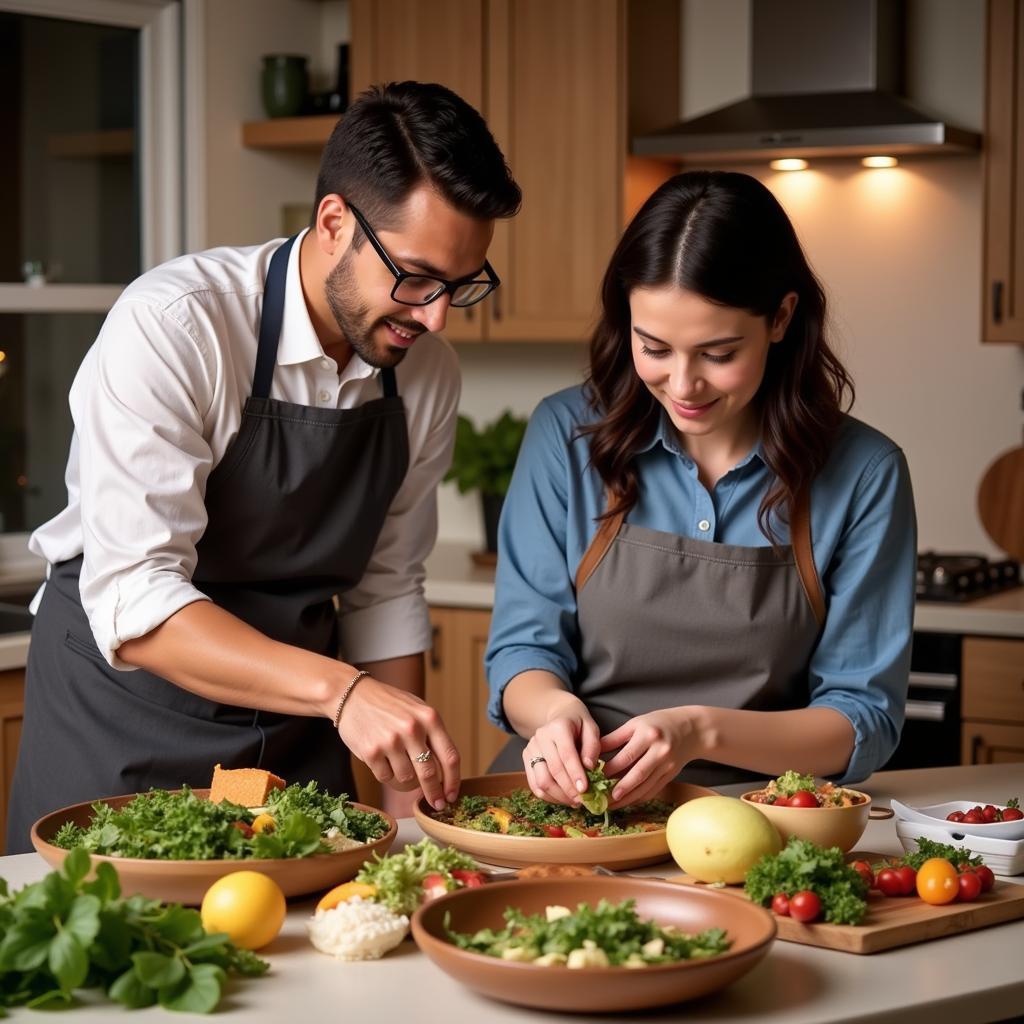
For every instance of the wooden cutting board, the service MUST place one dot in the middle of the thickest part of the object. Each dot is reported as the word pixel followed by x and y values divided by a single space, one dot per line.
pixel 1001 502
pixel 893 921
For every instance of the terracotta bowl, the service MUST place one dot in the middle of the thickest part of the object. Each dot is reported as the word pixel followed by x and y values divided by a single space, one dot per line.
pixel 518 851
pixel 826 826
pixel 595 989
pixel 186 881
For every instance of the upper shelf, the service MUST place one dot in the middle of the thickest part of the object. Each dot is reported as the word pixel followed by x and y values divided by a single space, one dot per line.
pixel 289 132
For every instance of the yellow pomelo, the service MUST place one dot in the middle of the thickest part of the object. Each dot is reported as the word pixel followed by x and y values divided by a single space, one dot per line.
pixel 718 838
pixel 247 905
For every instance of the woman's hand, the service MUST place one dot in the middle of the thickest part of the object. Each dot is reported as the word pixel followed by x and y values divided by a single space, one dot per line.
pixel 655 747
pixel 568 742
pixel 387 727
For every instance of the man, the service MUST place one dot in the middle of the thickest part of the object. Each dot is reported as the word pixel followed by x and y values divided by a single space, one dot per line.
pixel 259 433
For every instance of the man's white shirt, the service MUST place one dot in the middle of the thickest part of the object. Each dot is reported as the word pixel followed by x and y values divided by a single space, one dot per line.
pixel 156 403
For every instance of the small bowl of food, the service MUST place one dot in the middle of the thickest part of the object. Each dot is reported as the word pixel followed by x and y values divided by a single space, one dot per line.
pixel 964 817
pixel 824 813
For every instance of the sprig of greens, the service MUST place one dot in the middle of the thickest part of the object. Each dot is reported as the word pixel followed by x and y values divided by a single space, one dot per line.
pixel 63 933
pixel 167 825
pixel 399 877
pixel 595 799
pixel 791 782
pixel 616 929
pixel 804 865
pixel 927 849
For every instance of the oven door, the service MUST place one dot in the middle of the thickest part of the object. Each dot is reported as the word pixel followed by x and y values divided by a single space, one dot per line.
pixel 931 730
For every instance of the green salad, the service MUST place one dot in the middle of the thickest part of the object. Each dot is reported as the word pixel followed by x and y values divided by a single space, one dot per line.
pixel 298 821
pixel 608 935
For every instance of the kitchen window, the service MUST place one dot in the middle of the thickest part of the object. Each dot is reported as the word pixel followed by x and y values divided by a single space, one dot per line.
pixel 90 197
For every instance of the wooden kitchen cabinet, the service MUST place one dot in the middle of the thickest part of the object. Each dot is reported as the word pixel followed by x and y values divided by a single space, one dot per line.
pixel 12 709
pixel 562 86
pixel 992 700
pixel 1003 218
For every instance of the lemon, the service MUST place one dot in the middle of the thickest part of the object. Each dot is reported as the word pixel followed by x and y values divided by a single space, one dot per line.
pixel 247 905
pixel 718 838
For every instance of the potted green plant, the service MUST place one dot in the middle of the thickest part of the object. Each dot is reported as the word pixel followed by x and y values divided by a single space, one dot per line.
pixel 483 461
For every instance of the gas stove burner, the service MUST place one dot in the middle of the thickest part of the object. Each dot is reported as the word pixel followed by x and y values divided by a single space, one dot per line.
pixel 962 577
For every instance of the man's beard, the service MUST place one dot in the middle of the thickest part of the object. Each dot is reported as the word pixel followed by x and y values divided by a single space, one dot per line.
pixel 351 316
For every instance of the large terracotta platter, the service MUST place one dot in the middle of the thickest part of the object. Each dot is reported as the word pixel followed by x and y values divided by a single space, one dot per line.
pixel 186 881
pixel 594 989
pixel 619 852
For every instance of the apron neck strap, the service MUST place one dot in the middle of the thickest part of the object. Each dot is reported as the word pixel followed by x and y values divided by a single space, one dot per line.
pixel 803 552
pixel 606 533
pixel 388 383
pixel 271 317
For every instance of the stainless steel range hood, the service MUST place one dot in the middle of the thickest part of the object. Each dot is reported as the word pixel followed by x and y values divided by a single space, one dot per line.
pixel 825 77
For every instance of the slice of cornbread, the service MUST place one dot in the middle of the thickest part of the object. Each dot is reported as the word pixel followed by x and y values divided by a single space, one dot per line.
pixel 245 786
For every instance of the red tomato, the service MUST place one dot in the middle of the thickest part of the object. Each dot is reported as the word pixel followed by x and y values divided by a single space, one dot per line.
pixel 889 881
pixel 863 868
pixel 805 906
pixel 1012 814
pixel 434 885
pixel 781 801
pixel 554 831
pixel 985 876
pixel 974 818
pixel 469 879
pixel 242 827
pixel 803 798
pixel 990 813
pixel 780 904
pixel 908 880
pixel 970 887
pixel 955 816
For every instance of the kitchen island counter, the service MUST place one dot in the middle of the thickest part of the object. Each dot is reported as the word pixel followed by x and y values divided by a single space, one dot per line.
pixel 968 978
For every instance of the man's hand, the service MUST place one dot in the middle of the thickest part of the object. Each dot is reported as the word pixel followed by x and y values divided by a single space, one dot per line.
pixel 387 727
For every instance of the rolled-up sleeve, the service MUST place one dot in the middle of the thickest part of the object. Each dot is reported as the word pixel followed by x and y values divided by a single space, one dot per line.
pixel 534 623
pixel 861 664
pixel 385 615
pixel 144 463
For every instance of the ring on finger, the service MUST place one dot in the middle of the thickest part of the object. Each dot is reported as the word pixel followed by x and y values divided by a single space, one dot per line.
pixel 537 760
pixel 424 756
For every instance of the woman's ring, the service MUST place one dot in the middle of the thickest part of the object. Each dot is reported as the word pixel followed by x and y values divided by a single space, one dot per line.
pixel 537 760
pixel 424 757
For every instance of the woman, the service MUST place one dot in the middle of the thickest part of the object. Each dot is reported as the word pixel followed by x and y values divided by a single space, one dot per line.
pixel 704 563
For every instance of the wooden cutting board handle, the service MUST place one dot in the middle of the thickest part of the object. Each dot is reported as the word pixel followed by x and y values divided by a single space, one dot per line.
pixel 1001 502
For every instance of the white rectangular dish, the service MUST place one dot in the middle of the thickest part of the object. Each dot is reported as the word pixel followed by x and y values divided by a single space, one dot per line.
pixel 1003 856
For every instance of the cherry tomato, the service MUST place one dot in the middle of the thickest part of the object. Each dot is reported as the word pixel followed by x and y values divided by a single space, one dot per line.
pixel 1012 814
pixel 889 882
pixel 974 818
pixel 863 868
pixel 434 885
pixel 908 880
pixel 990 813
pixel 985 876
pixel 469 879
pixel 554 831
pixel 955 816
pixel 780 904
pixel 805 906
pixel 781 801
pixel 803 798
pixel 969 887
pixel 937 881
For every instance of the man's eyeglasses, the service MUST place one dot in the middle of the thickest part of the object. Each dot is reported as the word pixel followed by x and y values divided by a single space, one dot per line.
pixel 422 289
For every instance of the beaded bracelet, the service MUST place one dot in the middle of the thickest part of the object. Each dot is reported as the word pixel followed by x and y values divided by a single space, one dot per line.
pixel 344 696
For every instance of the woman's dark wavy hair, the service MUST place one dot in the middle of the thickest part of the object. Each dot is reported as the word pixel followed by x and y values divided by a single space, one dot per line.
pixel 395 136
pixel 724 236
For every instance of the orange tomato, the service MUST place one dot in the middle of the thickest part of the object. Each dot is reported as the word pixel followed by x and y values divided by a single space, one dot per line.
pixel 937 881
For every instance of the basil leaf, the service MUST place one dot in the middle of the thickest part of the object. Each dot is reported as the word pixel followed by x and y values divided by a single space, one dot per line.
pixel 178 925
pixel 67 960
pixel 75 866
pixel 130 991
pixel 105 885
pixel 199 992
pixel 157 970
pixel 26 945
pixel 83 920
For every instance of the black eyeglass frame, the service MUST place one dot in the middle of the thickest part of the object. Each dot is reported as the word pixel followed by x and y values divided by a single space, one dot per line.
pixel 492 280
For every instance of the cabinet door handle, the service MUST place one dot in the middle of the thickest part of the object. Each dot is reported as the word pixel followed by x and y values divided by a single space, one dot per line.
pixel 975 747
pixel 435 657
pixel 997 302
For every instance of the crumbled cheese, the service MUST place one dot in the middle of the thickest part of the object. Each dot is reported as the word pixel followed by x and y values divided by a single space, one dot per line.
pixel 518 954
pixel 550 960
pixel 357 929
pixel 338 842
pixel 653 948
pixel 555 912
pixel 589 956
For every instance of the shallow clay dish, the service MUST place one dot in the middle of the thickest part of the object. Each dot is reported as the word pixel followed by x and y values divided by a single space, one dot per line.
pixel 186 881
pixel 619 852
pixel 595 989
pixel 826 826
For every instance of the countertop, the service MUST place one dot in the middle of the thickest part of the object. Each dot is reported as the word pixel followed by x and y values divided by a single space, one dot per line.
pixel 454 581
pixel 968 978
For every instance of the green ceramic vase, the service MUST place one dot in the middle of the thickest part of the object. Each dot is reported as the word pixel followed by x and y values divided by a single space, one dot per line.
pixel 283 84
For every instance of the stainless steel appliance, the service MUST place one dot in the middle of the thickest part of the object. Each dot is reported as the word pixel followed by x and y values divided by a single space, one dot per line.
pixel 963 577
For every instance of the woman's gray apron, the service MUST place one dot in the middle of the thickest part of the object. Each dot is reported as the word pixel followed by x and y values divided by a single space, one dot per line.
pixel 295 508
pixel 666 621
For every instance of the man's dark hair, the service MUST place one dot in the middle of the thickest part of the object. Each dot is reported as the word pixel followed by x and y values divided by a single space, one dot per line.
pixel 396 136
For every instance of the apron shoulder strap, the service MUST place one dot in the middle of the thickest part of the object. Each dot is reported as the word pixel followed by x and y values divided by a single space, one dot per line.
pixel 800 539
pixel 271 316
pixel 388 383
pixel 606 533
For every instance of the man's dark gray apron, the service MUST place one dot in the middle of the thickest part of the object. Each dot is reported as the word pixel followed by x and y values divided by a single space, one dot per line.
pixel 295 509
pixel 667 621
